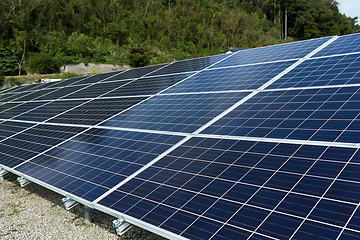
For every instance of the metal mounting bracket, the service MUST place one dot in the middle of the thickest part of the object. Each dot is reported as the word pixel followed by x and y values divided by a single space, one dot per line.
pixel 121 226
pixel 23 181
pixel 69 203
pixel 2 173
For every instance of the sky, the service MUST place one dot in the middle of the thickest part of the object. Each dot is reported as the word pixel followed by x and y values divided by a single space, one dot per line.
pixel 350 7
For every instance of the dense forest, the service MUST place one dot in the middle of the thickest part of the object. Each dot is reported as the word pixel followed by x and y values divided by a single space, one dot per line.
pixel 42 35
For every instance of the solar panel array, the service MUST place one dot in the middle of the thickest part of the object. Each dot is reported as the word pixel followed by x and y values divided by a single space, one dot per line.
pixel 259 144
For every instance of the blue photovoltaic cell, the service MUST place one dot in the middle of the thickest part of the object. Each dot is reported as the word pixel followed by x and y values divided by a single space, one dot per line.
pixel 33 95
pixel 7 106
pixel 212 185
pixel 18 88
pixel 147 85
pixel 23 146
pixel 135 73
pixel 96 90
pixel 338 70
pixel 96 110
pixel 15 96
pixel 67 82
pixel 5 90
pixel 97 78
pixel 25 88
pixel 329 114
pixel 95 161
pixel 236 78
pixel 342 45
pixel 286 51
pixel 189 65
pixel 4 96
pixel 61 92
pixel 20 109
pixel 178 113
pixel 8 129
pixel 50 110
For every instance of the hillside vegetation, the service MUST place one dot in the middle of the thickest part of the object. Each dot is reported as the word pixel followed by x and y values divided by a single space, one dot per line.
pixel 42 35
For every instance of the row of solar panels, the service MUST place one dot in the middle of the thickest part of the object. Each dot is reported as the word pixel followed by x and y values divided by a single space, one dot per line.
pixel 287 170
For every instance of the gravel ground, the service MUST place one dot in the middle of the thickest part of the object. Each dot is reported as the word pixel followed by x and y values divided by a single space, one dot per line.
pixel 34 212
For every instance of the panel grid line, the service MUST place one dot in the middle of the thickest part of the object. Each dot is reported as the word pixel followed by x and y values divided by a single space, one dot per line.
pixel 322 196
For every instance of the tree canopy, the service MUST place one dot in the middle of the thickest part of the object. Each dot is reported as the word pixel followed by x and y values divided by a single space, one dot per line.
pixel 34 32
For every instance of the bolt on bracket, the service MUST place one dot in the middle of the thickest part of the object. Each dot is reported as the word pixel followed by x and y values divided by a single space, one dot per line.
pixel 69 203
pixel 121 226
pixel 23 181
pixel 2 173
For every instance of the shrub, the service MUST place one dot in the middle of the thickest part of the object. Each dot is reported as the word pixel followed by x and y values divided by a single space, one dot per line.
pixel 44 63
pixel 138 57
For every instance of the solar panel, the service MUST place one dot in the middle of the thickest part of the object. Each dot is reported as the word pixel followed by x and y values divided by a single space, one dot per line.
pixel 147 85
pixel 287 51
pixel 95 111
pixel 96 90
pixel 191 65
pixel 33 95
pixel 321 114
pixel 35 140
pixel 19 109
pixel 95 161
pixel 236 78
pixel 248 187
pixel 48 111
pixel 8 129
pixel 177 113
pixel 344 45
pixel 259 144
pixel 61 92
pixel 135 73
pixel 336 70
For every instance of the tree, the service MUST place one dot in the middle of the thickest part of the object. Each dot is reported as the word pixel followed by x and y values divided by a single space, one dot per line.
pixel 310 28
pixel 2 79
pixel 18 47
pixel 335 30
pixel 8 65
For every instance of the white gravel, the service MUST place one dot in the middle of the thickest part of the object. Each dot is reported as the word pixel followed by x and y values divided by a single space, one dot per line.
pixel 34 212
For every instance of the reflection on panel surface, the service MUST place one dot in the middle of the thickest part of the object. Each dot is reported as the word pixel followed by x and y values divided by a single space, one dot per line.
pixel 237 78
pixel 32 142
pixel 177 113
pixel 93 162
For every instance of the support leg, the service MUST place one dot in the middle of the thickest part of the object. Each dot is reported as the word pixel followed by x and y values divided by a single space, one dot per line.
pixel 87 213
